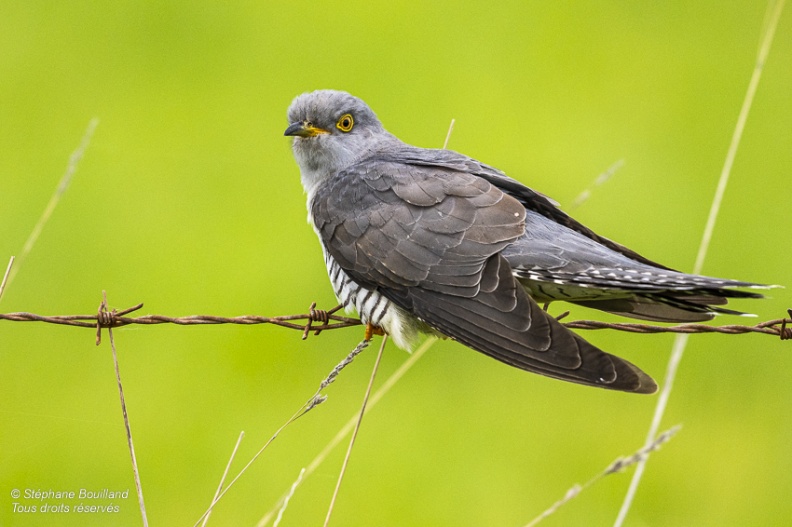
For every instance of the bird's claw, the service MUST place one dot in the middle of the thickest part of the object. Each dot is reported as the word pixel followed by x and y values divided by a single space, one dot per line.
pixel 372 330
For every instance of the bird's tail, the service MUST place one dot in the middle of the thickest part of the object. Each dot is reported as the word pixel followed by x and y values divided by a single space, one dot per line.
pixel 674 306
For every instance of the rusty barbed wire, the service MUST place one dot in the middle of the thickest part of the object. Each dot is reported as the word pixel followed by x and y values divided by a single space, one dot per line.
pixel 318 320
pixel 113 319
pixel 777 327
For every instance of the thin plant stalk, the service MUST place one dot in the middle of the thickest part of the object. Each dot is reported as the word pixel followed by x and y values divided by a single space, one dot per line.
pixel 288 497
pixel 355 431
pixel 680 342
pixel 225 474
pixel 617 466
pixel 350 424
pixel 5 276
pixel 135 470
pixel 312 403
pixel 598 182
pixel 448 135
pixel 63 186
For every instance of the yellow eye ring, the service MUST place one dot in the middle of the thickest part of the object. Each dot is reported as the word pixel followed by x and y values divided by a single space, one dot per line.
pixel 345 123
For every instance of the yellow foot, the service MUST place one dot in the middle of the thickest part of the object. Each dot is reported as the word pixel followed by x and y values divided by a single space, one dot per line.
pixel 372 330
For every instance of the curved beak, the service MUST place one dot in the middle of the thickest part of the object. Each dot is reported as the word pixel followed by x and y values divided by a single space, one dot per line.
pixel 304 129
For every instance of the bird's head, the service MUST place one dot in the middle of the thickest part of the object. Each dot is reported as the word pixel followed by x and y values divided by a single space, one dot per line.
pixel 332 130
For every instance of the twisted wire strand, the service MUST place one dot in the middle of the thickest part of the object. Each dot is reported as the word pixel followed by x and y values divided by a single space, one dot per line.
pixel 317 320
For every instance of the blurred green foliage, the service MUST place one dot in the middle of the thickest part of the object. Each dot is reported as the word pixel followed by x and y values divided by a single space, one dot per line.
pixel 188 199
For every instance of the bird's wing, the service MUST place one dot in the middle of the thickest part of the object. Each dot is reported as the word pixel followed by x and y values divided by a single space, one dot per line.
pixel 430 239
pixel 530 199
pixel 548 251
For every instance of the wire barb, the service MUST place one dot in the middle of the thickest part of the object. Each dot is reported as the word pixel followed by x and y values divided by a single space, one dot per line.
pixel 318 315
pixel 110 319
pixel 784 332
pixel 104 319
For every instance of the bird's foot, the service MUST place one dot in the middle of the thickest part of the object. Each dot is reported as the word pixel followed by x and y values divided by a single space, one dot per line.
pixel 372 330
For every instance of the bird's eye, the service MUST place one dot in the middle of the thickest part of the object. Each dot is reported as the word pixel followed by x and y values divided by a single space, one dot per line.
pixel 345 123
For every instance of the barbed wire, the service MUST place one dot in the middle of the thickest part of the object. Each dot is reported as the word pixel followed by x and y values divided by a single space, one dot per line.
pixel 318 320
pixel 777 327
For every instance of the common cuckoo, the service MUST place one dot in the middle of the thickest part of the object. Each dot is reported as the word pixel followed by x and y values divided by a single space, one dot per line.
pixel 423 240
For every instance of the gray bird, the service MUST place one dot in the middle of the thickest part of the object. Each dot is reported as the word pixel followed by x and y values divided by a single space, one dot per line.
pixel 422 240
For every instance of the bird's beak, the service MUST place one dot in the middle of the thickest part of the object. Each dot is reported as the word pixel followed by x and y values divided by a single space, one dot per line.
pixel 304 129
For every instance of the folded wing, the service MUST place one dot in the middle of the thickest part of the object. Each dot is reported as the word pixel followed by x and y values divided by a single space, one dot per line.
pixel 430 239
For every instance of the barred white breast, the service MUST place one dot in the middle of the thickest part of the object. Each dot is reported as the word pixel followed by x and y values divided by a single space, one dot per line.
pixel 372 307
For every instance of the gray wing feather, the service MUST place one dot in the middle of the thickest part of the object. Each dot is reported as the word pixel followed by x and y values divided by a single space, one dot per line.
pixel 555 262
pixel 530 199
pixel 430 241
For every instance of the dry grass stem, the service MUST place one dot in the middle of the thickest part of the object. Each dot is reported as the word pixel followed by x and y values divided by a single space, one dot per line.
pixel 5 276
pixel 135 471
pixel 287 498
pixel 448 135
pixel 63 185
pixel 355 431
pixel 599 181
pixel 619 465
pixel 272 438
pixel 225 474
pixel 313 402
pixel 350 424
pixel 680 342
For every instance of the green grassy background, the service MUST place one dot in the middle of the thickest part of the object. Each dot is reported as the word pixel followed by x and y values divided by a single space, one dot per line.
pixel 188 199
